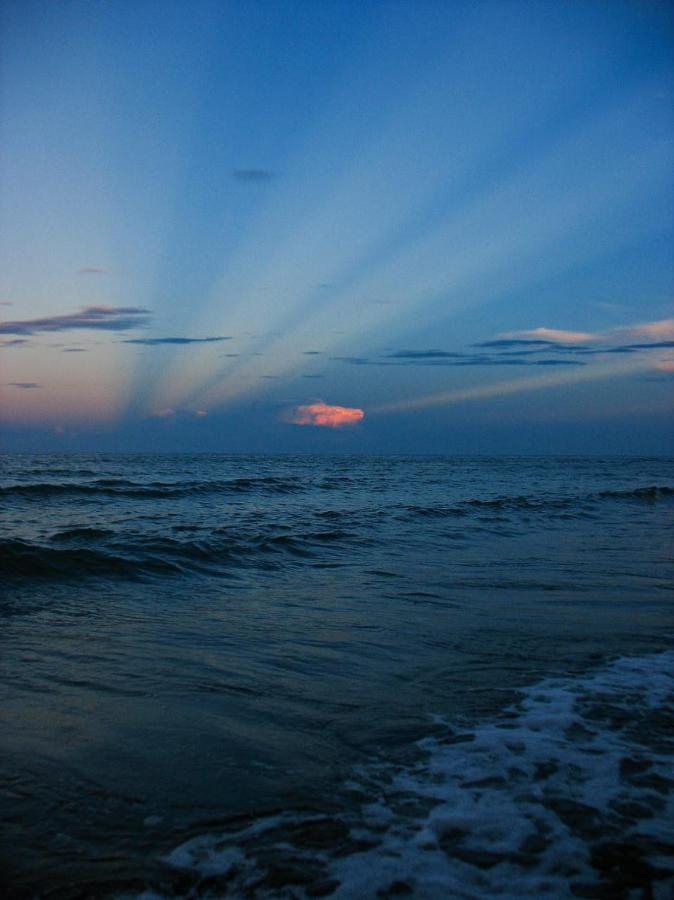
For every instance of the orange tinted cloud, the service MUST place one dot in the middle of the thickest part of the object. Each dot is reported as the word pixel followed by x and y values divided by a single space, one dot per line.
pixel 556 335
pixel 662 330
pixel 326 416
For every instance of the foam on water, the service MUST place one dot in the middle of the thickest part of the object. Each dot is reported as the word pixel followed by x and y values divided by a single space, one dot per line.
pixel 568 793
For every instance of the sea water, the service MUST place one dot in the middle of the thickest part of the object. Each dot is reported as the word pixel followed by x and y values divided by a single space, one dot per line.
pixel 355 677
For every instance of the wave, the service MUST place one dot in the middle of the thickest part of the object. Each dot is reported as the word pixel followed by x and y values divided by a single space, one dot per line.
pixel 654 492
pixel 119 487
pixel 567 793
pixel 577 505
pixel 24 559
pixel 271 484
pixel 80 552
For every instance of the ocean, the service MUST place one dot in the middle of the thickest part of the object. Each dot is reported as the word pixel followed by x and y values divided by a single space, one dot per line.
pixel 346 677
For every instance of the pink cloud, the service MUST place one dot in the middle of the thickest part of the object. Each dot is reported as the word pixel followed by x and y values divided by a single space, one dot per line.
pixel 326 416
pixel 552 334
pixel 662 330
pixel 667 365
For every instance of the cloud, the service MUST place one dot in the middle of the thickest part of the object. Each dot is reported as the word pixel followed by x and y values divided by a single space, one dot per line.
pixel 169 413
pixel 665 365
pixel 432 358
pixel 553 335
pixel 6 303
pixel 75 350
pixel 354 360
pixel 153 342
pixel 325 416
pixel 424 354
pixel 656 345
pixel 92 270
pixel 14 342
pixel 253 176
pixel 105 318
pixel 25 385
pixel 517 342
pixel 659 330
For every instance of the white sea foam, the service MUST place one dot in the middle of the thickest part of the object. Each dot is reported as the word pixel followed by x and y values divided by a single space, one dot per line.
pixel 568 793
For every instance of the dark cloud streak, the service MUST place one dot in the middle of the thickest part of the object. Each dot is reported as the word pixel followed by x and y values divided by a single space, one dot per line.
pixel 102 318
pixel 457 360
pixel 154 342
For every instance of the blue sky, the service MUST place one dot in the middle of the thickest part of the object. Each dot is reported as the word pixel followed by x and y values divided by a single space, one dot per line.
pixel 452 220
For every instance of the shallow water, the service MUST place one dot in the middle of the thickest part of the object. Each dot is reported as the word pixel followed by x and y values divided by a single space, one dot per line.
pixel 350 676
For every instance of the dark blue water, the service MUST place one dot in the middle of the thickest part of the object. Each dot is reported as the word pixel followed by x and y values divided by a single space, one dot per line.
pixel 263 676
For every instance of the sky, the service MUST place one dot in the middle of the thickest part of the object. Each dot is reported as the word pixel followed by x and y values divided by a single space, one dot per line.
pixel 427 227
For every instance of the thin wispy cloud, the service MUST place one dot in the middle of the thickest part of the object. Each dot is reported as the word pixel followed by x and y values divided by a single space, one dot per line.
pixel 503 343
pixel 154 342
pixel 103 318
pixel 25 385
pixel 539 347
pixel 554 335
pixel 436 358
pixel 423 354
pixel 353 360
pixel 324 415
pixel 656 345
pixel 169 413
pixel 92 270
pixel 14 342
pixel 659 330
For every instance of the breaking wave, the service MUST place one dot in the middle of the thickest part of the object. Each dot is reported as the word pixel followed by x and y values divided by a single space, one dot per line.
pixel 568 793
